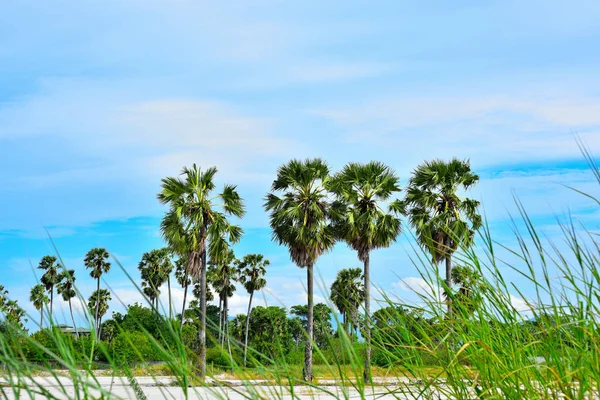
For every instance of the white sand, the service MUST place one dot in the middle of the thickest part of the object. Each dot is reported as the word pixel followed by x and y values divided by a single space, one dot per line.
pixel 166 388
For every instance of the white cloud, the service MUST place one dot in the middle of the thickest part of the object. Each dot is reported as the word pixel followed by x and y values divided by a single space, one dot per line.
pixel 486 128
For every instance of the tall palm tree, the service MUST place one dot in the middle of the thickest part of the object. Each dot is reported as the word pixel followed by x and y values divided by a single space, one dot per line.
pixel 39 299
pixel 96 261
pixel 196 224
pixel 50 277
pixel 347 294
pixel 364 224
pixel 252 269
pixel 155 268
pixel 443 220
pixel 300 216
pixel 224 277
pixel 66 288
pixel 99 301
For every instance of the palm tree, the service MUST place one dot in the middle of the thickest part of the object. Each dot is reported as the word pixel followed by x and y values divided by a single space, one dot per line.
pixel 442 220
pixel 196 223
pixel 224 278
pixel 66 288
pixel 50 277
pixel 347 294
pixel 95 261
pixel 14 314
pixel 99 301
pixel 3 297
pixel 182 277
pixel 252 269
pixel 155 268
pixel 300 219
pixel 39 299
pixel 364 225
pixel 467 298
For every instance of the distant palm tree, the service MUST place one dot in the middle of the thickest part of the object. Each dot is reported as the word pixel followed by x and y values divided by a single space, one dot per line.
pixel 225 274
pixel 96 261
pixel 364 224
pixel 442 220
pixel 14 314
pixel 50 277
pixel 468 296
pixel 183 278
pixel 39 299
pixel 196 222
pixel 252 269
pixel 99 301
pixel 347 294
pixel 300 220
pixel 66 288
pixel 155 268
pixel 3 298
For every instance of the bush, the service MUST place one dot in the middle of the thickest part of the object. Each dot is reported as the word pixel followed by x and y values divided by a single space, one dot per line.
pixel 219 357
pixel 133 347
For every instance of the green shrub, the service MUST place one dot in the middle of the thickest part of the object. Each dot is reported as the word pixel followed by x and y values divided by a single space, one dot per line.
pixel 133 347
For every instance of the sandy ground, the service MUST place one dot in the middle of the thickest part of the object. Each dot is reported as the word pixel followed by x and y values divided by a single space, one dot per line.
pixel 166 388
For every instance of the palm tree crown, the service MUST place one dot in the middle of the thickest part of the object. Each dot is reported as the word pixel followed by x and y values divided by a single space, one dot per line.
pixel 155 268
pixel 441 218
pixel 252 269
pixel 364 224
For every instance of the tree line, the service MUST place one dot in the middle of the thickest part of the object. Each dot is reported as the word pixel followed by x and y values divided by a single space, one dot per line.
pixel 310 209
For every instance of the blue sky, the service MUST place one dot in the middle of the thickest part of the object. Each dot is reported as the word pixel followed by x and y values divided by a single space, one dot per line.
pixel 99 100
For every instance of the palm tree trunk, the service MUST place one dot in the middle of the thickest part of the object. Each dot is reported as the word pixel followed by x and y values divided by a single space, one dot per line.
pixel 99 327
pixel 448 284
pixel 247 326
pixel 227 327
pixel 97 307
pixel 220 318
pixel 309 326
pixel 367 327
pixel 169 289
pixel 448 277
pixel 225 321
pixel 73 319
pixel 202 330
pixel 42 317
pixel 185 290
pixel 51 303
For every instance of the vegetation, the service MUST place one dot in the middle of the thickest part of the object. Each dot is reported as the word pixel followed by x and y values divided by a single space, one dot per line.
pixel 473 343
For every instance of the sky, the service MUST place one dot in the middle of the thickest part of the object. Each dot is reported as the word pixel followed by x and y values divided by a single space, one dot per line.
pixel 100 100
